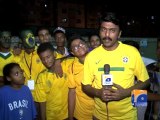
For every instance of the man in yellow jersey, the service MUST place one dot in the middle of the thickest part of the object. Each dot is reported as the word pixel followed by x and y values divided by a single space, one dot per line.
pixel 60 38
pixel 51 92
pixel 113 103
pixel 30 61
pixel 80 105
pixel 6 56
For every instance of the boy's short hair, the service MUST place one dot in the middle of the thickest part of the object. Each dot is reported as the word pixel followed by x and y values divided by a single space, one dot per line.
pixel 44 46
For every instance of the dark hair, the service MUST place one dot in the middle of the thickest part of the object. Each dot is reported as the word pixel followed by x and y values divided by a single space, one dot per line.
pixel 132 43
pixel 45 46
pixel 89 38
pixel 72 38
pixel 110 17
pixel 42 28
pixel 7 71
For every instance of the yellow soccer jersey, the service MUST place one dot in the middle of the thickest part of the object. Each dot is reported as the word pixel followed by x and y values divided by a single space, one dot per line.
pixel 5 60
pixel 32 66
pixel 84 104
pixel 59 55
pixel 53 91
pixel 126 63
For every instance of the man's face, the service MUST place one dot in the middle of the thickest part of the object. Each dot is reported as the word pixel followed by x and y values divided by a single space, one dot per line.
pixel 44 36
pixel 60 39
pixel 109 34
pixel 5 39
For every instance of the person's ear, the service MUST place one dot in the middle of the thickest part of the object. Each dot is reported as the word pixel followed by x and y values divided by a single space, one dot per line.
pixel 8 78
pixel 119 34
pixel 72 53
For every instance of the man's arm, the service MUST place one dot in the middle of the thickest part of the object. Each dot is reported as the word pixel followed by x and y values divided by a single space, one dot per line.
pixel 121 93
pixel 93 92
pixel 111 94
pixel 153 96
pixel 43 110
pixel 71 103
pixel 58 67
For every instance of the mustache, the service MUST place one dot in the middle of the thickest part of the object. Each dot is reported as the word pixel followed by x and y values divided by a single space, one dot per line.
pixel 107 38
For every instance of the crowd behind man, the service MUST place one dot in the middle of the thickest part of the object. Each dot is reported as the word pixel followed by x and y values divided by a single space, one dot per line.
pixel 65 81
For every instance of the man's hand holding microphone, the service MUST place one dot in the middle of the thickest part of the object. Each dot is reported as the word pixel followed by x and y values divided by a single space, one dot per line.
pixel 107 92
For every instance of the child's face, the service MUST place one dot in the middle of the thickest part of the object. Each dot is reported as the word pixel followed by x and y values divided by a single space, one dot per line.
pixel 47 58
pixel 16 76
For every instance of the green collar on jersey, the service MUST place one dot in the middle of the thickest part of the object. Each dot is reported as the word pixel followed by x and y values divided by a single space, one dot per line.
pixel 5 57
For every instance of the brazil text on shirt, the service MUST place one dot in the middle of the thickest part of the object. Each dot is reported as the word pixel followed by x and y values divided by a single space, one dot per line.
pixel 18 104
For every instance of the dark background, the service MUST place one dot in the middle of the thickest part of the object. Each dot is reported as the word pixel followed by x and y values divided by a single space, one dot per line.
pixel 139 18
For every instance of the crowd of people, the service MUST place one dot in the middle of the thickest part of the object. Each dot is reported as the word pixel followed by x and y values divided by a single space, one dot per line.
pixel 63 81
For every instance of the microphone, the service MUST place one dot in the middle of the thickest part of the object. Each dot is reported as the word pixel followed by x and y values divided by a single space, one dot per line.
pixel 107 82
pixel 106 69
pixel 107 79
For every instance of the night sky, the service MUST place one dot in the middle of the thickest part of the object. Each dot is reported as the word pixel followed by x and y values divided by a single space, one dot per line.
pixel 135 14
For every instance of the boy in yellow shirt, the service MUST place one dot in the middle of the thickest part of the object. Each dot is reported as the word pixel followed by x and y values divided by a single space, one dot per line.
pixel 80 106
pixel 51 92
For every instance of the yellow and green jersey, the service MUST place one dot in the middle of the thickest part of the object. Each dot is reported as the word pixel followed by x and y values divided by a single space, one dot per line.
pixel 125 63
pixel 32 65
pixel 59 55
pixel 54 91
pixel 6 59
pixel 84 105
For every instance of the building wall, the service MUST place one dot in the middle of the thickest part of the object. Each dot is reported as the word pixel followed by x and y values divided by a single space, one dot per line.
pixel 70 15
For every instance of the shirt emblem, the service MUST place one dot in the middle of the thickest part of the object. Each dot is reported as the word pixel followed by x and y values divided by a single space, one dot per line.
pixel 125 59
pixel 21 113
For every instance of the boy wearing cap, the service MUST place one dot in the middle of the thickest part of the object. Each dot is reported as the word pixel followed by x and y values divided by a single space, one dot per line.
pixel 60 39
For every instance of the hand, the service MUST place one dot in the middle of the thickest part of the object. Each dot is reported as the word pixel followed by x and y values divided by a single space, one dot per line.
pixel 58 69
pixel 104 92
pixel 116 94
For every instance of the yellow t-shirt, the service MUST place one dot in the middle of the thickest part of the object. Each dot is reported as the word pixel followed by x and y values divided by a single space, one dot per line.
pixel 84 104
pixel 126 63
pixel 58 55
pixel 6 60
pixel 53 91
pixel 32 65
